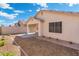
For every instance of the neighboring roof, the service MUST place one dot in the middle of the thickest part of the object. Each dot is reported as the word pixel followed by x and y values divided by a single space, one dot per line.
pixel 59 12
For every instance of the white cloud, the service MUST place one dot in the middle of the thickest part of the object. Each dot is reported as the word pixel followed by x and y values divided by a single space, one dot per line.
pixel 71 4
pixel 41 9
pixel 38 9
pixel 44 9
pixel 44 5
pixel 30 10
pixel 8 16
pixel 18 11
pixel 5 6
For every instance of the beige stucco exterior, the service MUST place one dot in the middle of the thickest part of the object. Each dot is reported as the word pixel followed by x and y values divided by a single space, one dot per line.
pixel 70 25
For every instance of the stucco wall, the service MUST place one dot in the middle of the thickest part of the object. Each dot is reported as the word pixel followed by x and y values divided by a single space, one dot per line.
pixel 70 26
pixel 13 30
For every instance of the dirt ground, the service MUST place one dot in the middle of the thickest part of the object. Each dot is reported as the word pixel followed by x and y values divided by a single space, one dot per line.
pixel 35 47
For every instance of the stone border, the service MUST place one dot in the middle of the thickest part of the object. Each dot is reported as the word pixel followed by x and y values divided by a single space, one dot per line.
pixel 21 49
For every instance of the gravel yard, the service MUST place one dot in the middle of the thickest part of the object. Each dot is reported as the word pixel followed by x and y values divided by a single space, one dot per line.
pixel 35 47
pixel 9 47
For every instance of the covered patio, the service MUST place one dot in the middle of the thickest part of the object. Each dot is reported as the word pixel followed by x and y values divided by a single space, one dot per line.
pixel 34 26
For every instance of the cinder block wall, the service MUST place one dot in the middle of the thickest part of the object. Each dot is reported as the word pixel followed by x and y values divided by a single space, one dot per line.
pixel 13 30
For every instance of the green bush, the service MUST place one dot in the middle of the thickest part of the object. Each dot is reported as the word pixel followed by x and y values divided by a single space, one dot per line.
pixel 7 54
pixel 2 39
pixel 1 43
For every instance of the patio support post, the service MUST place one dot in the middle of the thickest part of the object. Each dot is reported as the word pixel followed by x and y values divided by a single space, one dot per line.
pixel 40 29
pixel 27 28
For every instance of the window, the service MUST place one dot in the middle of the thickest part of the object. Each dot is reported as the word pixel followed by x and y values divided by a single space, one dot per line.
pixel 55 27
pixel 51 27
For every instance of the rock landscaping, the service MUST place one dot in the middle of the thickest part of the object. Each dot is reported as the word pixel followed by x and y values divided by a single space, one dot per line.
pixel 7 48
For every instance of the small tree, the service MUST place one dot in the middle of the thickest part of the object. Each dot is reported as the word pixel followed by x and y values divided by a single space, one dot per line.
pixel 1 29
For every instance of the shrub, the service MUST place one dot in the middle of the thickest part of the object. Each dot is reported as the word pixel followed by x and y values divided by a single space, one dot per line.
pixel 2 39
pixel 7 54
pixel 1 43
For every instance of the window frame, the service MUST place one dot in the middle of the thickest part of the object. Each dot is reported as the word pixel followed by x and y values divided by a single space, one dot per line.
pixel 56 28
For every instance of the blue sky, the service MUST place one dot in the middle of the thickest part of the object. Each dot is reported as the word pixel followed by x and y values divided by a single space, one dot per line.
pixel 10 13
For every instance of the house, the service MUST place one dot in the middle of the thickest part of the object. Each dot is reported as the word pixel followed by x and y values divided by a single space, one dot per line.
pixel 55 24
